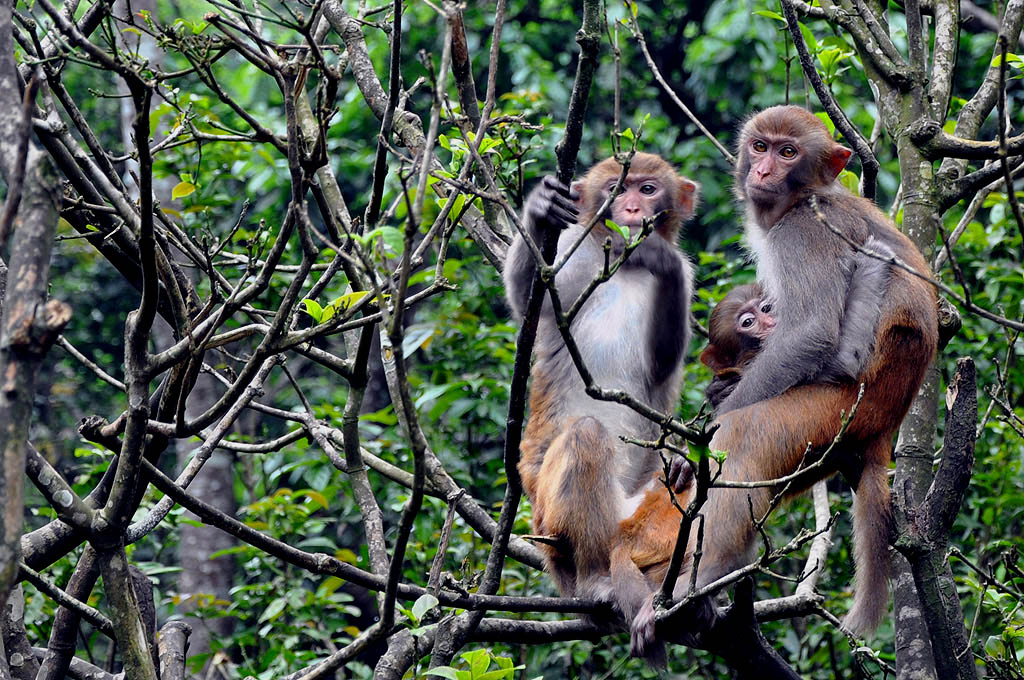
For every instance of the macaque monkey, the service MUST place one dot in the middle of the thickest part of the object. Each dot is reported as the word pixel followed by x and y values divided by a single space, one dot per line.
pixel 737 327
pixel 786 179
pixel 742 321
pixel 581 478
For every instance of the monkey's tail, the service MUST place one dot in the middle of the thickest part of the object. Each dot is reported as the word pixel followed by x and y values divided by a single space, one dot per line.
pixel 871 526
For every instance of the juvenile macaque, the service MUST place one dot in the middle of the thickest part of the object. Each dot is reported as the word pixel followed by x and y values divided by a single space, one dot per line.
pixel 736 328
pixel 742 321
pixel 581 478
pixel 786 179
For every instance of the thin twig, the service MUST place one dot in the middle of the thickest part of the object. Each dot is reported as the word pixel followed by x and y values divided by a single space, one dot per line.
pixel 639 36
pixel 1011 194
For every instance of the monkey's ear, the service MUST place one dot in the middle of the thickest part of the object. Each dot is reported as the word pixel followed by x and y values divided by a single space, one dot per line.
pixel 689 193
pixel 711 358
pixel 837 161
pixel 576 189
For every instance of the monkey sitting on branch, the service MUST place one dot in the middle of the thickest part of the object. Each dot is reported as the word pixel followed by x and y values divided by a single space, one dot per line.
pixel 631 333
pixel 805 230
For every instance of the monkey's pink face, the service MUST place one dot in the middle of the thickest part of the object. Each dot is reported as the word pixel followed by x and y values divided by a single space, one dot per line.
pixel 641 197
pixel 754 319
pixel 772 159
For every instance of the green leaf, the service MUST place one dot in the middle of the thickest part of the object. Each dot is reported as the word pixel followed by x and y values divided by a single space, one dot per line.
pixel 349 299
pixel 812 42
pixel 450 267
pixel 823 117
pixel 488 144
pixel 1011 58
pixel 850 181
pixel 314 309
pixel 496 675
pixel 622 231
pixel 628 134
pixel 275 608
pixel 457 206
pixel 475 658
pixel 182 189
pixel 444 672
pixel 506 663
pixel 995 646
pixel 424 604
pixel 393 238
pixel 478 663
pixel 314 496
pixel 770 15
pixel 417 336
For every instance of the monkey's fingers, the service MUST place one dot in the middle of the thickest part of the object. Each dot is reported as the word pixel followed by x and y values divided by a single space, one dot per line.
pixel 565 203
pixel 551 182
pixel 680 474
pixel 561 218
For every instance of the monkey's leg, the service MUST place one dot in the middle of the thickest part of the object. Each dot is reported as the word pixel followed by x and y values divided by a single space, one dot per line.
pixel 581 499
pixel 629 585
pixel 635 598
pixel 765 440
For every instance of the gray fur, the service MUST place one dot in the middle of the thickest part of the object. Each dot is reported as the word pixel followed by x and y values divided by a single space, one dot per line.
pixel 868 283
pixel 613 332
pixel 809 302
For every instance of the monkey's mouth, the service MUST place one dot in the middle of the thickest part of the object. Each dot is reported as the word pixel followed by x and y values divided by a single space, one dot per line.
pixel 762 189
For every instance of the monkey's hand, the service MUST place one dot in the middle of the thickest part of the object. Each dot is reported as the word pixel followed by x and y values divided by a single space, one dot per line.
pixel 551 205
pixel 721 387
pixel 680 474
pixel 657 256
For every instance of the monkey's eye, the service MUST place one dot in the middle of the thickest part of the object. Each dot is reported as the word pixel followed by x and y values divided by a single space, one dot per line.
pixel 766 308
pixel 648 189
pixel 787 152
pixel 759 146
pixel 746 321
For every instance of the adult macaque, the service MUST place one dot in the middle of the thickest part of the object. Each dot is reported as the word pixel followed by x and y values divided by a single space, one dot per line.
pixel 742 321
pixel 788 164
pixel 581 478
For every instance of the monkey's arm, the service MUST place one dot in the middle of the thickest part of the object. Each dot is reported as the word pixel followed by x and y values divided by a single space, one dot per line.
pixel 869 284
pixel 549 206
pixel 669 329
pixel 810 301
